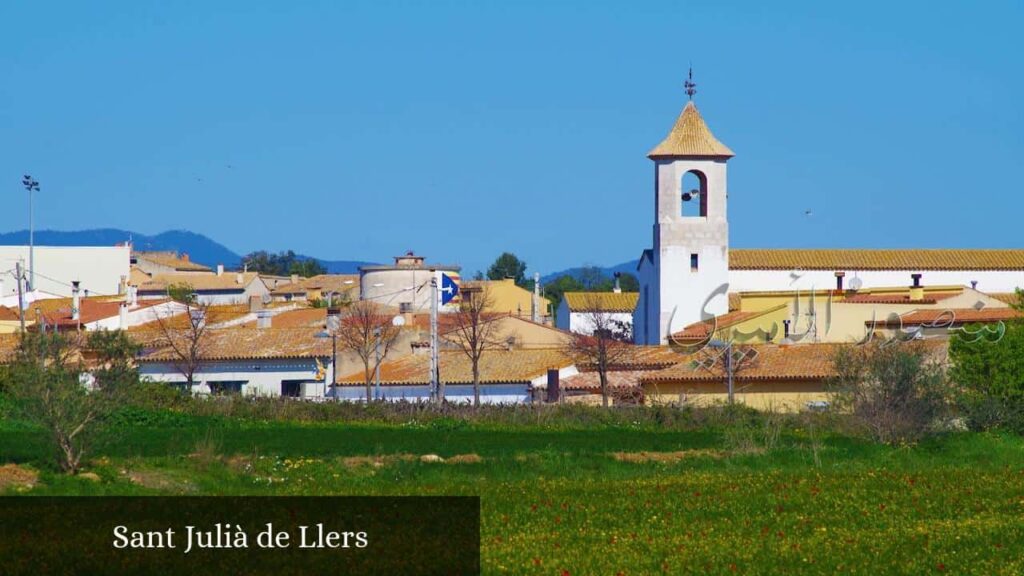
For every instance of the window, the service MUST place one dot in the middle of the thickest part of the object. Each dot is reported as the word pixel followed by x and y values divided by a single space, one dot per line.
pixel 291 388
pixel 694 195
pixel 405 307
pixel 226 387
pixel 694 262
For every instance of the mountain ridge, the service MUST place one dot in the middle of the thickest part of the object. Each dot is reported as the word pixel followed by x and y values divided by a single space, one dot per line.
pixel 199 247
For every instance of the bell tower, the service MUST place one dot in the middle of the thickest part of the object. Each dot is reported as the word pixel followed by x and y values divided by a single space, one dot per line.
pixel 684 276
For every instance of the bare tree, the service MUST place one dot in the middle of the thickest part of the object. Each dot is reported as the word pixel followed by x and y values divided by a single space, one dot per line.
pixel 184 335
pixel 473 330
pixel 606 346
pixel 367 331
pixel 727 360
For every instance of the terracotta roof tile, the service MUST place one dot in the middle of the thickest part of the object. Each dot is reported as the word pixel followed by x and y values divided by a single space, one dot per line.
pixel 200 282
pixel 773 362
pixel 930 298
pixel 499 366
pixel 703 329
pixel 171 260
pixel 953 317
pixel 858 259
pixel 1008 297
pixel 242 344
pixel 690 136
pixel 603 301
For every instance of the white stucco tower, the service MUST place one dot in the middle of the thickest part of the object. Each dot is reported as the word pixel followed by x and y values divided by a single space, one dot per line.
pixel 684 277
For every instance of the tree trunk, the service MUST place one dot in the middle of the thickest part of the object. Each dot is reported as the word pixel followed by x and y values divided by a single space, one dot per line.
pixel 476 383
pixel 604 386
pixel 369 383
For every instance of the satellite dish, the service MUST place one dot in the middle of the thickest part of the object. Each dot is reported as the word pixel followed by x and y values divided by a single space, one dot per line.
pixel 398 320
pixel 856 283
pixel 687 197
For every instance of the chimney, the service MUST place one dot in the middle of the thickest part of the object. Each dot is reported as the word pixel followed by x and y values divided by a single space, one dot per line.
pixel 239 278
pixel 839 281
pixel 785 328
pixel 618 288
pixel 535 298
pixel 220 269
pixel 133 296
pixel 553 391
pixel 916 290
pixel 295 278
pixel 122 286
pixel 255 303
pixel 184 257
pixel 122 316
pixel 76 301
pixel 264 319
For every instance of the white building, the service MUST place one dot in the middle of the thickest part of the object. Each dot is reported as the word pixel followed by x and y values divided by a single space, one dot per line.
pixel 219 288
pixel 293 362
pixel 100 270
pixel 406 284
pixel 577 311
pixel 687 274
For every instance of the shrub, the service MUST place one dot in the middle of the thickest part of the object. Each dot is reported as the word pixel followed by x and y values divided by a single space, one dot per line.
pixel 893 392
pixel 988 368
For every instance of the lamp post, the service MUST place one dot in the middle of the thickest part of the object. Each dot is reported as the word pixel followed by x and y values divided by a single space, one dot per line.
pixel 32 186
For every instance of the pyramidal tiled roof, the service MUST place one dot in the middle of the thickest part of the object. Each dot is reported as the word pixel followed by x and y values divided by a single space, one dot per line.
pixel 690 137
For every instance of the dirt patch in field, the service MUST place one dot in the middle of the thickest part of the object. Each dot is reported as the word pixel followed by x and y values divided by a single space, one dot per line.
pixel 17 477
pixel 376 461
pixel 159 480
pixel 464 459
pixel 666 457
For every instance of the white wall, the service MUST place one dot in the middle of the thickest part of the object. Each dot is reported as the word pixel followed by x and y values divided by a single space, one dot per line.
pixel 399 285
pixel 455 393
pixel 137 316
pixel 98 268
pixel 263 377
pixel 583 322
pixel 764 280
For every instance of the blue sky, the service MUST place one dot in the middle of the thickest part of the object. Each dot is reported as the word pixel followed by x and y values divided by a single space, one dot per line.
pixel 358 130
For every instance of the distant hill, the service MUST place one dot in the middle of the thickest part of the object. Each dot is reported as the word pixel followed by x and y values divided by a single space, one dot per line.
pixel 609 271
pixel 199 248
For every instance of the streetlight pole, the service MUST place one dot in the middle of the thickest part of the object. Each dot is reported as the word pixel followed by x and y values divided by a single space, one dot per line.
pixel 32 186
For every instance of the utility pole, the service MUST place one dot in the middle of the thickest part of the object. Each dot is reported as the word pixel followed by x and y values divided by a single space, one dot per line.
pixel 21 297
pixel 32 186
pixel 436 388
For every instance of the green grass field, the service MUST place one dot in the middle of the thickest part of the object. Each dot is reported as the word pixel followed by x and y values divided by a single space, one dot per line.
pixel 610 499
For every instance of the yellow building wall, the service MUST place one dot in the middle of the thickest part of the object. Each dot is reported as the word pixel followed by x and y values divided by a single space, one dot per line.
pixel 780 396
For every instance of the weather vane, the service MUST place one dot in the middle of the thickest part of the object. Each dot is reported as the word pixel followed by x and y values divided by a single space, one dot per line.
pixel 690 85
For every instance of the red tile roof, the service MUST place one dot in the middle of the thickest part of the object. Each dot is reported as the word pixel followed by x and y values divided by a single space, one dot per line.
pixel 929 298
pixel 242 344
pixel 703 329
pixel 953 317
pixel 772 362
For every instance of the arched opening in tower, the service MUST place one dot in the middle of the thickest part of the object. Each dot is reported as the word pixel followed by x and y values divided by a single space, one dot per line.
pixel 694 196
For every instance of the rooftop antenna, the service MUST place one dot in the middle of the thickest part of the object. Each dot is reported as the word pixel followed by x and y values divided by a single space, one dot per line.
pixel 690 85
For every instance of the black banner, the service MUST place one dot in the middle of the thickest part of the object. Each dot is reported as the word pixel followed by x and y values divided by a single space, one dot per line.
pixel 239 535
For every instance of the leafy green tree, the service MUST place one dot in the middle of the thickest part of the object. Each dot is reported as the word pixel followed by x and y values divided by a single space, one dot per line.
pixel 282 264
pixel 508 266
pixel 988 366
pixel 307 268
pixel 54 386
pixel 555 290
